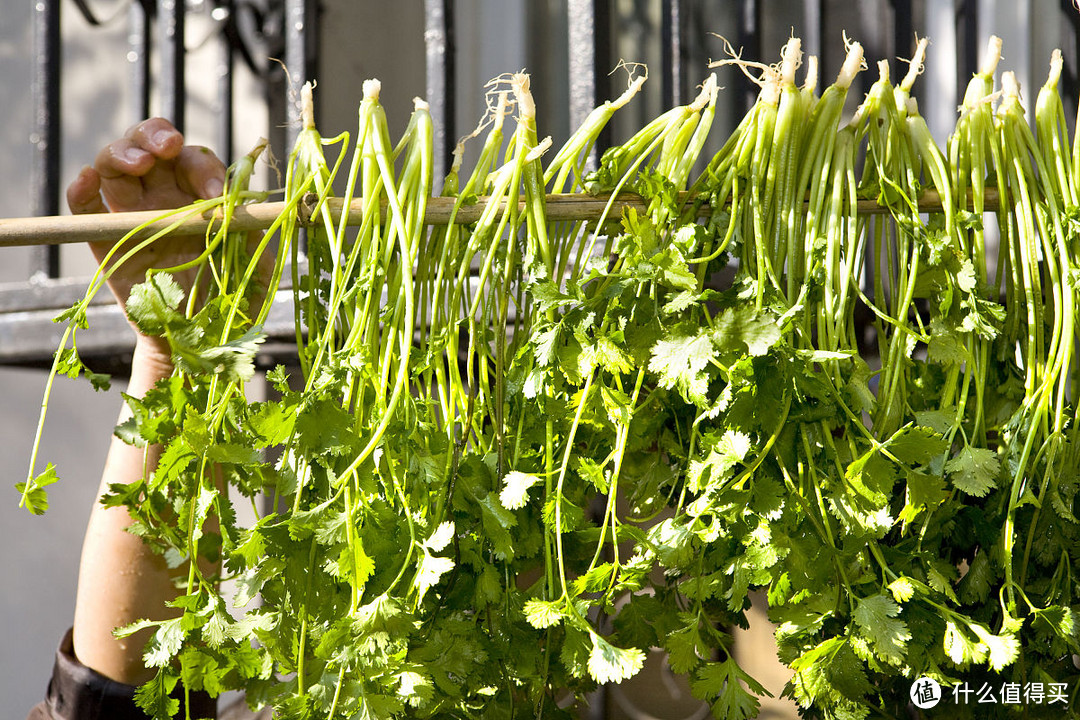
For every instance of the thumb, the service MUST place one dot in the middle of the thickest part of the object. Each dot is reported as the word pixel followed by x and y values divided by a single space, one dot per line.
pixel 84 193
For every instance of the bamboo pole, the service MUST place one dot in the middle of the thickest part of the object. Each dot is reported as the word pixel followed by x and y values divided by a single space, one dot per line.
pixel 65 229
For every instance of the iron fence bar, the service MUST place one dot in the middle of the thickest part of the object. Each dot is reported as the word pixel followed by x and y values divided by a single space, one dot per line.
pixel 1071 52
pixel 138 57
pixel 903 32
pixel 967 14
pixel 589 43
pixel 275 88
pixel 671 53
pixel 301 55
pixel 226 11
pixel 603 62
pixel 813 11
pixel 749 42
pixel 46 138
pixel 440 54
pixel 171 16
pixel 581 29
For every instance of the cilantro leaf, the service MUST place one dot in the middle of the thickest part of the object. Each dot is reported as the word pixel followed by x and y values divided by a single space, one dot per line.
pixel 515 493
pixel 544 613
pixel 70 364
pixel 575 651
pixel 164 643
pixel 416 688
pixel 876 618
pixel 1056 621
pixel 546 345
pixel 902 590
pixel 685 647
pixel 977 582
pixel 1003 650
pixel 745 327
pixel 231 361
pixel 916 444
pixel 680 363
pixel 431 569
pixel 960 649
pixel 273 422
pixel 609 664
pixel 152 304
pixel 154 696
pixel 75 316
pixel 830 672
pixel 441 537
pixel 34 496
pixel 974 470
pixel 724 681
pixel 547 296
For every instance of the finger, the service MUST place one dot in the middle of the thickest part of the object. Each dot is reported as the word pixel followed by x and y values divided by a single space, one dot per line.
pixel 200 172
pixel 123 157
pixel 123 192
pixel 158 137
pixel 123 165
pixel 84 193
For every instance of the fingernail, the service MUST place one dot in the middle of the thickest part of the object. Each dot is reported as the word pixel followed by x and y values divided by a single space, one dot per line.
pixel 213 188
pixel 134 155
pixel 162 138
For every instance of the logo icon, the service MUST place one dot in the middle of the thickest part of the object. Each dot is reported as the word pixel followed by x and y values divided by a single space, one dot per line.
pixel 925 693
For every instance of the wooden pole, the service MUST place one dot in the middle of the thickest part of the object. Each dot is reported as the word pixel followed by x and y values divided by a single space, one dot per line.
pixel 58 230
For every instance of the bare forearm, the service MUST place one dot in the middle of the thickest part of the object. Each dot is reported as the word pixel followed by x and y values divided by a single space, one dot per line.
pixel 120 579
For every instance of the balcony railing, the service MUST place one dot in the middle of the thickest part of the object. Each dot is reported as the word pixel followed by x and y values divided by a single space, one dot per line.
pixel 594 34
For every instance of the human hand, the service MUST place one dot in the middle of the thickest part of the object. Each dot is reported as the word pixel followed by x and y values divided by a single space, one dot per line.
pixel 149 168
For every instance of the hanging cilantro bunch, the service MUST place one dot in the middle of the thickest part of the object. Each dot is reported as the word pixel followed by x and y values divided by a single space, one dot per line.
pixel 516 453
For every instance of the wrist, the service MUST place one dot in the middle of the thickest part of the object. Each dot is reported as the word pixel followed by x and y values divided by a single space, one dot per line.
pixel 151 361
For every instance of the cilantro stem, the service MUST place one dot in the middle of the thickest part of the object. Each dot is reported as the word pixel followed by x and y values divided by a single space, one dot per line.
pixel 569 445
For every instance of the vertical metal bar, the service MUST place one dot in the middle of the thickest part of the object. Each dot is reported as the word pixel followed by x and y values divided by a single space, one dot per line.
pixel 441 56
pixel 748 32
pixel 582 30
pixel 968 20
pixel 589 45
pixel 825 70
pixel 812 43
pixel 603 62
pixel 46 137
pixel 671 53
pixel 225 12
pixel 1071 50
pixel 903 32
pixel 941 94
pixel 171 52
pixel 275 87
pixel 138 57
pixel 301 36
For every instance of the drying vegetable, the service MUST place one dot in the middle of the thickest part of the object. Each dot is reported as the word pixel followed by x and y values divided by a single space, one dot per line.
pixel 516 453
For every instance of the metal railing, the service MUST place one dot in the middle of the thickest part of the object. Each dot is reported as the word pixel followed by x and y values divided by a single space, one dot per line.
pixel 675 33
pixel 252 32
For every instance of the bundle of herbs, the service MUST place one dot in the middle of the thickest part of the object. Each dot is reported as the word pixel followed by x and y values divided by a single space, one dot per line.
pixel 518 452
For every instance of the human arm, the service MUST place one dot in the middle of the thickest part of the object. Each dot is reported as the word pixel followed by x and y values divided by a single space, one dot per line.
pixel 120 579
